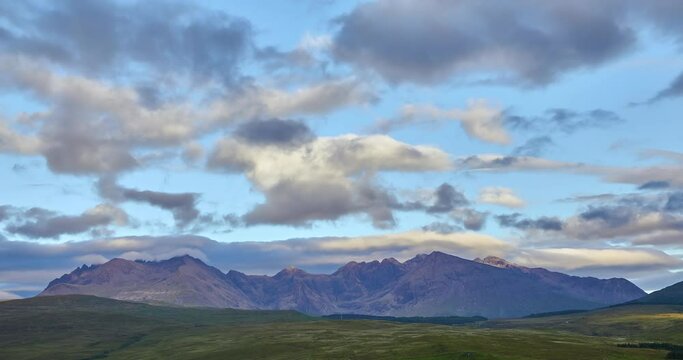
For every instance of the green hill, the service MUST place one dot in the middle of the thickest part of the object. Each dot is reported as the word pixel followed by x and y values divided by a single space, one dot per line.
pixel 86 327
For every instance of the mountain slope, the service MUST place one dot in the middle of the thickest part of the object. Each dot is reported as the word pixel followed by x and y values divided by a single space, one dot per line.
pixel 671 295
pixel 437 284
pixel 181 280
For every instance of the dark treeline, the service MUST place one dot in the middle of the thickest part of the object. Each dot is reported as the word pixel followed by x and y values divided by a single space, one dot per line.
pixel 554 313
pixel 675 351
pixel 440 320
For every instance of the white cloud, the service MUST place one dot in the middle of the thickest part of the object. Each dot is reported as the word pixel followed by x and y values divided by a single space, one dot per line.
pixel 578 258
pixel 479 119
pixel 95 127
pixel 325 178
pixel 500 196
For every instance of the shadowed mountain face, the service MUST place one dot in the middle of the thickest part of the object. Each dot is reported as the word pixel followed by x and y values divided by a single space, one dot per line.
pixel 671 295
pixel 426 285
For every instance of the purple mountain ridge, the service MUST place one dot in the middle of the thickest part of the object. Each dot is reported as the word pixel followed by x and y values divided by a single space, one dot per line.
pixel 436 284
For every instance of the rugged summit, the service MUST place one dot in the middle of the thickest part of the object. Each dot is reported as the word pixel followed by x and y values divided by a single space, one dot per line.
pixel 427 285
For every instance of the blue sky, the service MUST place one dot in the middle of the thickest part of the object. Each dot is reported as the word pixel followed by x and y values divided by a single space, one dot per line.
pixel 543 132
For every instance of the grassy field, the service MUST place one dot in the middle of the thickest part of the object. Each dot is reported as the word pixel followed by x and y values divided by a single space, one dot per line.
pixel 652 323
pixel 81 327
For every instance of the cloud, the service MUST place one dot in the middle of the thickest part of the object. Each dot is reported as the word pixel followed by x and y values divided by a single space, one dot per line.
pixel 611 216
pixel 104 37
pixel 92 127
pixel 673 174
pixel 326 178
pixel 38 223
pixel 528 42
pixel 13 142
pixel 500 196
pixel 534 146
pixel 6 295
pixel 544 223
pixel 507 163
pixel 259 102
pixel 275 131
pixel 183 206
pixel 469 218
pixel 479 119
pixel 441 227
pixel 299 203
pixel 675 202
pixel 675 89
pixel 6 211
pixel 564 120
pixel 325 254
pixel 654 185
pixel 577 258
pixel 636 219
pixel 447 199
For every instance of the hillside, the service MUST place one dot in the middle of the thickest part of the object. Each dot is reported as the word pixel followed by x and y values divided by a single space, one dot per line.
pixel 671 295
pixel 437 284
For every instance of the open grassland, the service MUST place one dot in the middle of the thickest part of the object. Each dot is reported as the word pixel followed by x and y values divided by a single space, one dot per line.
pixel 81 327
pixel 651 323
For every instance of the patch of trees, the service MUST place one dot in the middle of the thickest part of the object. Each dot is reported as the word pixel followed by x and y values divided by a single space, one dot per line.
pixel 675 351
pixel 439 320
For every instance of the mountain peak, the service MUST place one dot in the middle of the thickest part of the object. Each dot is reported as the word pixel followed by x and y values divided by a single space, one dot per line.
pixel 290 271
pixel 391 261
pixel 498 262
pixel 186 259
pixel 118 263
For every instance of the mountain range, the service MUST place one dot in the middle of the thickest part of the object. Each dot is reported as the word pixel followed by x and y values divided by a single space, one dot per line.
pixel 435 284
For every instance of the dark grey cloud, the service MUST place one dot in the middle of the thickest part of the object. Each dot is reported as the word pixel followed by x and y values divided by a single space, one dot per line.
pixel 527 43
pixel 442 227
pixel 675 202
pixel 512 163
pixel 38 223
pixel 444 199
pixel 275 131
pixel 431 41
pixel 675 89
pixel 81 153
pixel 655 185
pixel 640 219
pixel 612 216
pixel 6 211
pixel 19 168
pixel 517 221
pixel 300 203
pixel 183 206
pixel 215 223
pixel 447 199
pixel 102 36
pixel 469 218
pixel 564 120
pixel 534 146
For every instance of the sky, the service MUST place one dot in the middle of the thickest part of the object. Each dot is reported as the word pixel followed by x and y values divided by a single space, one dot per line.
pixel 257 135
